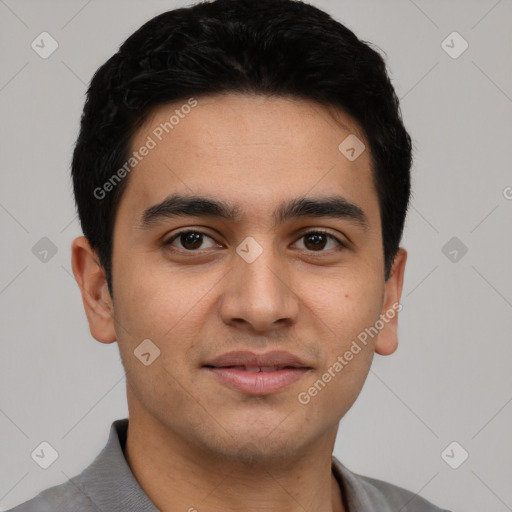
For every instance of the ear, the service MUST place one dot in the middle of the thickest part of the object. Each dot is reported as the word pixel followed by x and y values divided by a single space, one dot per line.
pixel 387 340
pixel 90 276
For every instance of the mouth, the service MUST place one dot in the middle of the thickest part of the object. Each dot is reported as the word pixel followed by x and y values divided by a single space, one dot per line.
pixel 257 373
pixel 254 369
pixel 257 380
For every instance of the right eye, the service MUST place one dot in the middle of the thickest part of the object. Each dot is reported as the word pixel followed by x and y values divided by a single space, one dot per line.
pixel 191 240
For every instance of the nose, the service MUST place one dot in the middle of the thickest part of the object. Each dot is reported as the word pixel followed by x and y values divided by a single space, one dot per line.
pixel 258 295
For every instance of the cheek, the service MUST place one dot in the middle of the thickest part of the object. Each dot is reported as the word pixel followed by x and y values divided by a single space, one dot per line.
pixel 166 305
pixel 343 307
pixel 345 304
pixel 159 306
pixel 354 306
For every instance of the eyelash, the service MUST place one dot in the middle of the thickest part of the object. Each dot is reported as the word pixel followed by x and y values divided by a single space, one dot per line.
pixel 312 232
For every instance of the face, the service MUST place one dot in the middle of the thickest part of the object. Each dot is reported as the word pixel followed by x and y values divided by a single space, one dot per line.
pixel 269 278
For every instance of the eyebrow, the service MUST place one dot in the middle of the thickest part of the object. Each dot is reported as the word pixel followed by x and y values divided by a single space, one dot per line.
pixel 177 205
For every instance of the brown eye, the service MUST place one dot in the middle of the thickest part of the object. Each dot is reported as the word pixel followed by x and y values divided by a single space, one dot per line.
pixel 316 241
pixel 189 240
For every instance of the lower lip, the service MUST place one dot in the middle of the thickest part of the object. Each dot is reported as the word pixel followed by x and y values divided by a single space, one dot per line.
pixel 258 383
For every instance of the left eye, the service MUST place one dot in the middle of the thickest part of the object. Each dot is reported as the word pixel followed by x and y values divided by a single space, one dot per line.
pixel 192 240
pixel 320 238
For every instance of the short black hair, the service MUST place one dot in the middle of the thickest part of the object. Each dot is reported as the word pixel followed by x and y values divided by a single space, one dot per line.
pixel 284 48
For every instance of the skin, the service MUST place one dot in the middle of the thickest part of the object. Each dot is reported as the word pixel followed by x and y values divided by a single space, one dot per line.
pixel 192 441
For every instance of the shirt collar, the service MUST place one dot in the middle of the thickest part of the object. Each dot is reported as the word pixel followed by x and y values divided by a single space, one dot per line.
pixel 354 494
pixel 109 482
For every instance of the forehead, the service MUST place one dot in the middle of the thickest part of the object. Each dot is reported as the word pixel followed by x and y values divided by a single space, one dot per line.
pixel 248 150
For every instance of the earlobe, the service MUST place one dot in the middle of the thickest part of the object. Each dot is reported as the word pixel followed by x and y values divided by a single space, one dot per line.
pixel 387 341
pixel 90 276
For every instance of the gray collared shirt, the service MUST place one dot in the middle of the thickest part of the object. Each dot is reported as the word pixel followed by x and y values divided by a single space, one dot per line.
pixel 108 485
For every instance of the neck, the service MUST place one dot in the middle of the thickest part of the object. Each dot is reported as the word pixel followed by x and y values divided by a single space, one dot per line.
pixel 177 476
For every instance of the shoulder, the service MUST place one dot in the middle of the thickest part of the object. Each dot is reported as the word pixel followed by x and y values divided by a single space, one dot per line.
pixel 397 498
pixel 89 490
pixel 368 494
pixel 66 497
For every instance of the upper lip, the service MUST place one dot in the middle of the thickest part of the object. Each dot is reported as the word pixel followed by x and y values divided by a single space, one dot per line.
pixel 275 358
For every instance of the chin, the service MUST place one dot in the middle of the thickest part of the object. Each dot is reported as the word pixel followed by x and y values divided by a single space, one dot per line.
pixel 253 447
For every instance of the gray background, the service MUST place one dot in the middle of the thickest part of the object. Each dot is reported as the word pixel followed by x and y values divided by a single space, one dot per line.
pixel 450 379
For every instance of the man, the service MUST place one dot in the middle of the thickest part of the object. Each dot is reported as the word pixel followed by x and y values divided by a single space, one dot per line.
pixel 242 181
